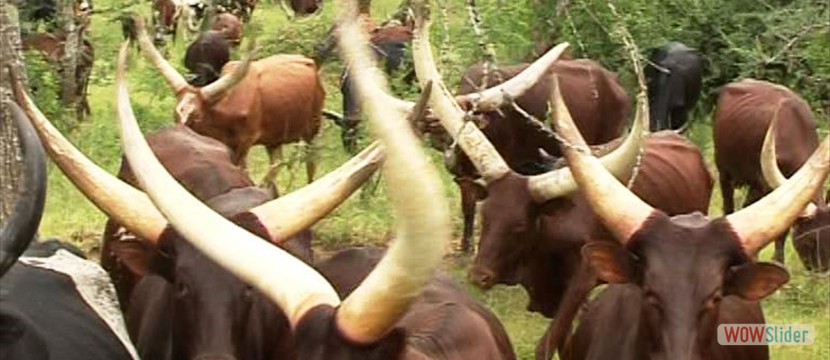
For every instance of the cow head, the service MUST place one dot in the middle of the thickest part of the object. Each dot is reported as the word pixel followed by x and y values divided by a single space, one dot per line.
pixel 214 309
pixel 193 104
pixel 685 265
pixel 811 232
pixel 511 212
pixel 21 227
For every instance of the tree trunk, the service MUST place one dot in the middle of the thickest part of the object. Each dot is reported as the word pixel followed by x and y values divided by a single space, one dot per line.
pixel 10 164
pixel 71 49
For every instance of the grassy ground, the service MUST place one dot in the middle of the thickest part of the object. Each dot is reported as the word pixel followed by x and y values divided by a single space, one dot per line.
pixel 363 218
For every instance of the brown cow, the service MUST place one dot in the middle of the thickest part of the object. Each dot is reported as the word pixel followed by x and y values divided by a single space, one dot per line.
pixel 678 277
pixel 811 231
pixel 742 117
pixel 601 106
pixel 174 311
pixel 53 47
pixel 272 101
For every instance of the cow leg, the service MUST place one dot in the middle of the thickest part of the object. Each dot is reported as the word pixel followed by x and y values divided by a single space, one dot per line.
pixel 727 191
pixel 468 209
pixel 755 194
pixel 275 161
pixel 557 335
pixel 310 160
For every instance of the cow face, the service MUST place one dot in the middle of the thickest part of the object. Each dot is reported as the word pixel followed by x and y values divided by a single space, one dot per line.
pixel 509 223
pixel 214 313
pixel 684 266
pixel 811 239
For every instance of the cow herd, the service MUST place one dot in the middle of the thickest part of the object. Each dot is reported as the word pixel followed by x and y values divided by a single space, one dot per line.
pixel 201 263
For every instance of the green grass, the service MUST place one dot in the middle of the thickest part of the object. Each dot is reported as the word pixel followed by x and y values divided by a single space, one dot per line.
pixel 363 218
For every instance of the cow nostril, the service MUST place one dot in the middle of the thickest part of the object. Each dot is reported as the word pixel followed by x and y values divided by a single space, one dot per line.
pixel 483 278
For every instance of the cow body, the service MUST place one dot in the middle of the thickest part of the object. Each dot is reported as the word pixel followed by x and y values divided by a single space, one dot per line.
pixel 674 89
pixel 52 47
pixel 57 305
pixel 445 322
pixel 206 56
pixel 601 108
pixel 744 113
pixel 279 101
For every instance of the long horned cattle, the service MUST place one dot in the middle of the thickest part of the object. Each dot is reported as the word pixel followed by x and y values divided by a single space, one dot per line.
pixel 272 101
pixel 665 317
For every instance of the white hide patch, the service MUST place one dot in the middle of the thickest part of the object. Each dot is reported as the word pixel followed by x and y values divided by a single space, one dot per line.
pixel 94 286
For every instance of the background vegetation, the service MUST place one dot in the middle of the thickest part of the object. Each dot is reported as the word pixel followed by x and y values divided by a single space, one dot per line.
pixel 778 40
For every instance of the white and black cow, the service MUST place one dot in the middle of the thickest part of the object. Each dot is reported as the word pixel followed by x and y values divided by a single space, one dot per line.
pixel 54 304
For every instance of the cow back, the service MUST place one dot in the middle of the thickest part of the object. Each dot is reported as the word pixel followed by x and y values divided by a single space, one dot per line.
pixel 744 112
pixel 672 175
pixel 279 101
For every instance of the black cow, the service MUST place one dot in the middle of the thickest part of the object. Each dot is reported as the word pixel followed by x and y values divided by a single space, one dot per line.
pixel 53 303
pixel 674 89
pixel 206 56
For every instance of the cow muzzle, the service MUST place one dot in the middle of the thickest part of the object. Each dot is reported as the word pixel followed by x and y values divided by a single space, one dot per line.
pixel 214 357
pixel 483 277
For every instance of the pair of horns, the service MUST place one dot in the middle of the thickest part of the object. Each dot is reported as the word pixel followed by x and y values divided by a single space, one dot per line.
pixel 475 144
pixel 21 227
pixel 624 213
pixel 769 162
pixel 211 92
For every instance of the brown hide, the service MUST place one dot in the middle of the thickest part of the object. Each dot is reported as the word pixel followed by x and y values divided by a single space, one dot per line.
pixel 597 101
pixel 279 101
pixel 229 25
pixel 743 115
pixel 445 322
pixel 537 245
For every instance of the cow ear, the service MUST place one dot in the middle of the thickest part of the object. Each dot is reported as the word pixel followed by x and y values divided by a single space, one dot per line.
pixel 755 281
pixel 612 262
pixel 133 253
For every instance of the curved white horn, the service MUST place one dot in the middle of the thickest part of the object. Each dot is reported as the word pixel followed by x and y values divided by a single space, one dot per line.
pixel 620 210
pixel 120 201
pixel 289 214
pixel 421 209
pixel 495 97
pixel 769 162
pixel 619 162
pixel 173 77
pixel 478 148
pixel 286 280
pixel 215 90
